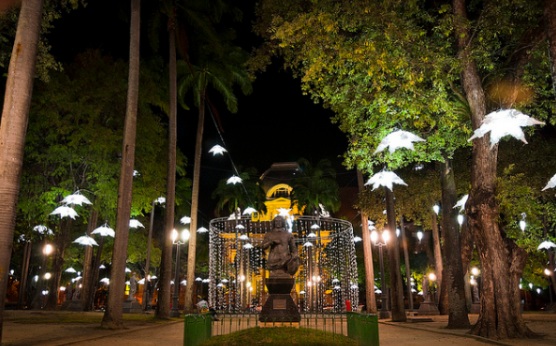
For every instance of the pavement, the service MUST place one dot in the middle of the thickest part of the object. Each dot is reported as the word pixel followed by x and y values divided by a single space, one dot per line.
pixel 34 331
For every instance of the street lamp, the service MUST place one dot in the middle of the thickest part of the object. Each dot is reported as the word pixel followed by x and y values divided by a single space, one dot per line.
pixel 549 273
pixel 174 312
pixel 47 250
pixel 384 313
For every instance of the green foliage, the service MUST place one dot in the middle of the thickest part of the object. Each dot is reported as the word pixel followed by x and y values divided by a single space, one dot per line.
pixel 248 193
pixel 52 11
pixel 314 186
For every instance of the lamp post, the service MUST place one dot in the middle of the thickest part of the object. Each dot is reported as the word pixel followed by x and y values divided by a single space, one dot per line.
pixel 174 312
pixel 384 313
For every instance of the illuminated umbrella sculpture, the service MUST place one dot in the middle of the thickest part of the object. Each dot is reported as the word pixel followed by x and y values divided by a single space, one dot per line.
pixel 103 231
pixel 505 122
pixel 398 139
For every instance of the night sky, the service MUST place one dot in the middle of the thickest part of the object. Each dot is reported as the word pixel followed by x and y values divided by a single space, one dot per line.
pixel 276 123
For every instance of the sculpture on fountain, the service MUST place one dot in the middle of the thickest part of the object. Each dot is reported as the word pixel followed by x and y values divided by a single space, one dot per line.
pixel 283 262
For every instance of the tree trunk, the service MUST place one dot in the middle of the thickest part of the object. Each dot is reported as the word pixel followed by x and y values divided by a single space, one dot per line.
pixel 438 267
pixel 367 256
pixel 89 304
pixel 188 307
pixel 61 241
pixel 453 269
pixel 396 286
pixel 502 261
pixel 148 259
pixel 15 115
pixel 22 292
pixel 407 268
pixel 550 20
pixel 114 308
pixel 88 269
pixel 163 306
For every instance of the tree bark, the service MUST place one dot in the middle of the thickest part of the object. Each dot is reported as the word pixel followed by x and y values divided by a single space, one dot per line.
pixel 61 241
pixel 438 267
pixel 188 307
pixel 367 255
pixel 453 270
pixel 148 259
pixel 88 269
pixel 163 306
pixel 407 268
pixel 22 292
pixel 500 315
pixel 114 308
pixel 15 115
pixel 396 286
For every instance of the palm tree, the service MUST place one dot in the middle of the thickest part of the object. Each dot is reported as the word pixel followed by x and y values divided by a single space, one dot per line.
pixel 248 193
pixel 315 186
pixel 113 315
pixel 194 12
pixel 17 100
pixel 221 72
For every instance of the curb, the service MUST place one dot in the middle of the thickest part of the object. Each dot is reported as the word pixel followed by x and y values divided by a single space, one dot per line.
pixel 109 334
pixel 478 338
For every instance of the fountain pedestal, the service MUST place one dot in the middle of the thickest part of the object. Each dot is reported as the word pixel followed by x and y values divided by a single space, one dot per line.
pixel 279 307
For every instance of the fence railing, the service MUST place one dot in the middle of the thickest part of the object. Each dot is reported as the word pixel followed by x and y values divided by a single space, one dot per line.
pixel 360 327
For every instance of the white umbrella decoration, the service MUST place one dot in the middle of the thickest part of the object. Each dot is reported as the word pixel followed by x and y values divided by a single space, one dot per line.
pixel 308 244
pixel 283 212
pixel 217 150
pixel 104 231
pixel 551 183
pixel 398 139
pixel 135 224
pixel 546 245
pixel 76 198
pixel 202 230
pixel 240 226
pixel 185 220
pixel 357 239
pixel 461 203
pixel 385 178
pixel 71 270
pixel 249 211
pixel 234 180
pixel 248 246
pixel 85 240
pixel 105 280
pixel 42 229
pixel 243 237
pixel 503 123
pixel 160 200
pixel 64 211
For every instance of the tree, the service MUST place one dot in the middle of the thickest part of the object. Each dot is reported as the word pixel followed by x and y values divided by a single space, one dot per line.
pixel 114 308
pixel 248 193
pixel 315 186
pixel 15 115
pixel 220 71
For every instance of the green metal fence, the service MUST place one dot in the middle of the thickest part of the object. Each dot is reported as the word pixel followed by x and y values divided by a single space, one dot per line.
pixel 363 328
pixel 360 327
pixel 197 328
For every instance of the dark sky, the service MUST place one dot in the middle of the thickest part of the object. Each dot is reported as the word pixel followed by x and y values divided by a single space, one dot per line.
pixel 276 123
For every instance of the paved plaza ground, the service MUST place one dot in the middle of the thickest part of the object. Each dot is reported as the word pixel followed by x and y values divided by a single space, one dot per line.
pixel 140 333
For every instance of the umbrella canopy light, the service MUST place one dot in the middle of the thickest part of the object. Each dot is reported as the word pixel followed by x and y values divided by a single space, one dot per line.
pixel 546 245
pixel 234 180
pixel 249 211
pixel 243 237
pixel 240 226
pixel 217 150
pixel 248 246
pixel 76 198
pixel 505 122
pixel 308 244
pixel 42 229
pixel 85 240
pixel 202 230
pixel 104 231
pixel 64 211
pixel 185 220
pixel 461 203
pixel 135 224
pixel 71 270
pixel 386 179
pixel 398 139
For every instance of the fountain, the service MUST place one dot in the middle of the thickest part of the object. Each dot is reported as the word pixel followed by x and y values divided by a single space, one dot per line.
pixel 327 275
